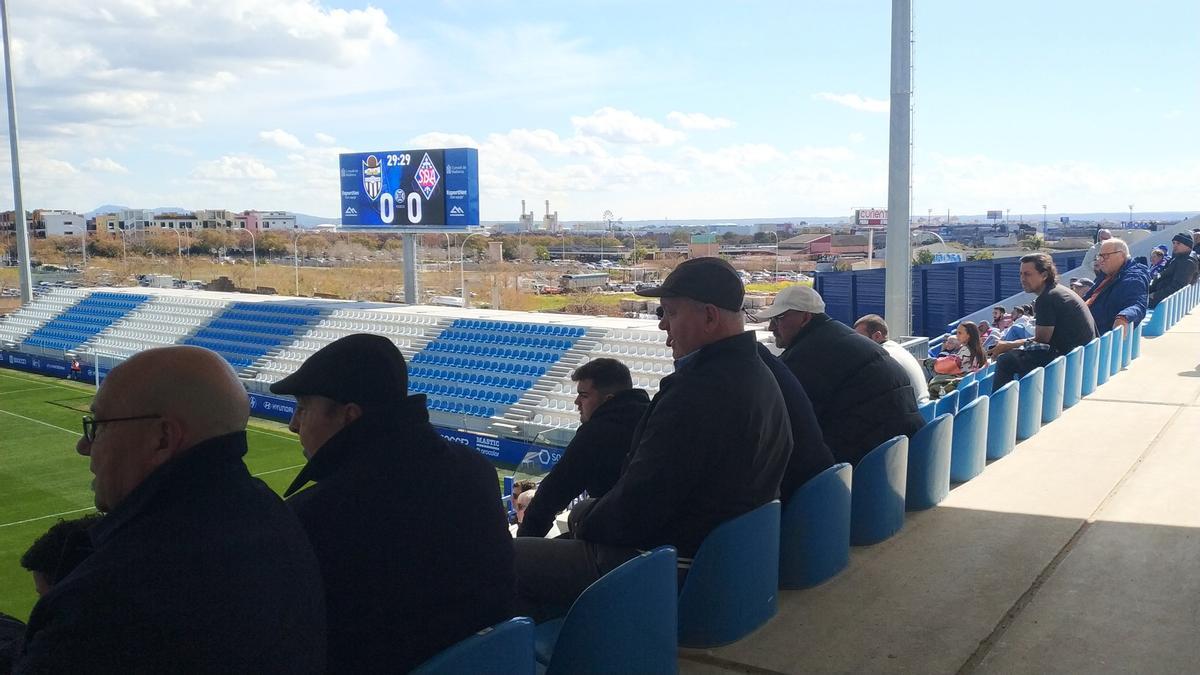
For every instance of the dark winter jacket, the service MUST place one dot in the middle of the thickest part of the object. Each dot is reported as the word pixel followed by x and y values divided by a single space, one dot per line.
pixel 860 395
pixel 411 537
pixel 810 454
pixel 713 445
pixel 201 569
pixel 591 462
pixel 1126 296
pixel 1179 272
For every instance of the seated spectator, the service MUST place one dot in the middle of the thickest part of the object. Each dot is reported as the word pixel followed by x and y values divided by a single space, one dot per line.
pixel 810 454
pixel 718 420
pixel 1178 273
pixel 1196 241
pixel 196 565
pixel 522 505
pixel 874 328
pixel 986 334
pixel 404 578
pixel 1063 323
pixel 1000 320
pixel 518 487
pixel 609 411
pixel 1020 328
pixel 951 368
pixel 1158 260
pixel 1122 288
pixel 1102 235
pixel 860 395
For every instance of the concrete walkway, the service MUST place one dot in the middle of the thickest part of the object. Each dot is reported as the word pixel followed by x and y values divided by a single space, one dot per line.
pixel 1078 553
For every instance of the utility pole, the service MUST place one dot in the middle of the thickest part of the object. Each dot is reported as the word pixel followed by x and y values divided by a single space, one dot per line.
pixel 898 274
pixel 20 226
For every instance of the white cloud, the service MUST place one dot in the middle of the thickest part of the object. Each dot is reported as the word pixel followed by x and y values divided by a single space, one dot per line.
pixel 105 164
pixel 857 137
pixel 622 126
pixel 324 139
pixel 699 121
pixel 280 139
pixel 823 154
pixel 232 167
pixel 855 101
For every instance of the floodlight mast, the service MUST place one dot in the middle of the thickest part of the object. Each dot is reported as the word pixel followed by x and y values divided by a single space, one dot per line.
pixel 898 284
pixel 20 227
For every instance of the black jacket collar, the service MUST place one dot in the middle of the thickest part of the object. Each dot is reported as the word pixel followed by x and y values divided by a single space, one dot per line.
pixel 220 449
pixel 818 320
pixel 621 400
pixel 743 343
pixel 357 438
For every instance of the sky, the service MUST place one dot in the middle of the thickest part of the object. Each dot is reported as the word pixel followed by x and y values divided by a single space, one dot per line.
pixel 650 110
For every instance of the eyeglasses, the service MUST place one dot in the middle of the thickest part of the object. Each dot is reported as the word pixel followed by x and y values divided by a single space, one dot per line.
pixel 1102 256
pixel 90 423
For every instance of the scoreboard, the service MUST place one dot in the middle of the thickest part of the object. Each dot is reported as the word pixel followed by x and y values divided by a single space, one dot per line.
pixel 411 190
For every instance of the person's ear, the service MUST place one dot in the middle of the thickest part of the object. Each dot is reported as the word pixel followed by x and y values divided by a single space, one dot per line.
pixel 351 412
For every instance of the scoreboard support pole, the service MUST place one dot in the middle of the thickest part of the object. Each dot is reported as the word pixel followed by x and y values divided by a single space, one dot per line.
pixel 410 268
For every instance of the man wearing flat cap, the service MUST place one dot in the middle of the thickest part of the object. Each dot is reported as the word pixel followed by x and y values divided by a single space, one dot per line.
pixel 407 572
pixel 712 446
pixel 860 395
pixel 1178 272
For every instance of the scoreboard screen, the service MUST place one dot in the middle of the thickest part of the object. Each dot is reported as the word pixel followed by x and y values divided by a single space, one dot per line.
pixel 411 190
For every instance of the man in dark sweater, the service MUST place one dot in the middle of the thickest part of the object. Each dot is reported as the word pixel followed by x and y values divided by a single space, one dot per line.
pixel 609 409
pixel 404 577
pixel 1063 323
pixel 860 395
pixel 719 420
pixel 196 566
pixel 1179 272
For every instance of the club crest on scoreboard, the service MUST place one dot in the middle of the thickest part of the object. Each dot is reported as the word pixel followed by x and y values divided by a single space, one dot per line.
pixel 426 176
pixel 372 177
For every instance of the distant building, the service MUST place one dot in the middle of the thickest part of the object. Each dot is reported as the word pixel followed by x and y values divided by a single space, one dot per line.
pixel 266 221
pixel 55 223
pixel 814 243
pixel 704 245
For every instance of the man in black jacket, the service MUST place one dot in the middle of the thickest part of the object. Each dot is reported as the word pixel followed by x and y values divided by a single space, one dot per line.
pixel 1179 272
pixel 406 573
pixel 712 446
pixel 197 566
pixel 810 454
pixel 609 409
pixel 860 395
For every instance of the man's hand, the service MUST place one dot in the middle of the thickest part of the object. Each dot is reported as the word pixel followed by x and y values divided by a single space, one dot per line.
pixel 1004 346
pixel 1121 322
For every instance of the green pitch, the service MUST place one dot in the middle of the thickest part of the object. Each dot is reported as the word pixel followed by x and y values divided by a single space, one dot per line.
pixel 43 479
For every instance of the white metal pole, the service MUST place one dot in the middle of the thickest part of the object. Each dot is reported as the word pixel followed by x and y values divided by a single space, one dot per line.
pixel 898 302
pixel 20 226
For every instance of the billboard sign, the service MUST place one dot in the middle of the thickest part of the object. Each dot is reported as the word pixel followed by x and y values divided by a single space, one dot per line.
pixel 411 190
pixel 995 215
pixel 870 216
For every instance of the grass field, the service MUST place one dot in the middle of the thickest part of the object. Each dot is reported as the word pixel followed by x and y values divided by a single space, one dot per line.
pixel 42 478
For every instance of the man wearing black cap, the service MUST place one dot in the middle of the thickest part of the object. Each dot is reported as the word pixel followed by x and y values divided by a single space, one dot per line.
pixel 712 446
pixel 407 573
pixel 1179 272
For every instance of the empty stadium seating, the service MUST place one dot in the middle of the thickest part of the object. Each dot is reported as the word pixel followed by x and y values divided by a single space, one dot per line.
pixel 80 322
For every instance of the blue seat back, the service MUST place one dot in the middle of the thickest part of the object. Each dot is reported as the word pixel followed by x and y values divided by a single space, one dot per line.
pixel 927 409
pixel 1029 403
pixel 1091 356
pixel 625 622
pixel 733 585
pixel 1002 420
pixel 814 532
pixel 1137 339
pixel 877 495
pixel 928 476
pixel 1131 332
pixel 967 394
pixel 968 454
pixel 1053 383
pixel 1104 360
pixel 503 649
pixel 1073 377
pixel 947 404
pixel 985 384
pixel 1118 351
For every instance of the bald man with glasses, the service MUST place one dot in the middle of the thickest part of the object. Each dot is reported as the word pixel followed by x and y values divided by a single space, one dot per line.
pixel 197 566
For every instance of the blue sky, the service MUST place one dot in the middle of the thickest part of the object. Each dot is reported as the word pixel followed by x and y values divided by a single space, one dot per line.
pixel 648 109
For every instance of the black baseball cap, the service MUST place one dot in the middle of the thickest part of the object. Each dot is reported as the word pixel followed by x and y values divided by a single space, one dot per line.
pixel 1185 239
pixel 709 280
pixel 365 369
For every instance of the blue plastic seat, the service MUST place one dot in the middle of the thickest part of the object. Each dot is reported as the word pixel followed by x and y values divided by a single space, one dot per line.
pixel 928 477
pixel 1104 359
pixel 1073 377
pixel 968 454
pixel 947 404
pixel 503 649
pixel 1029 403
pixel 1053 385
pixel 814 543
pixel 1119 344
pixel 732 587
pixel 1091 355
pixel 1002 420
pixel 877 496
pixel 985 384
pixel 625 622
pixel 968 393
